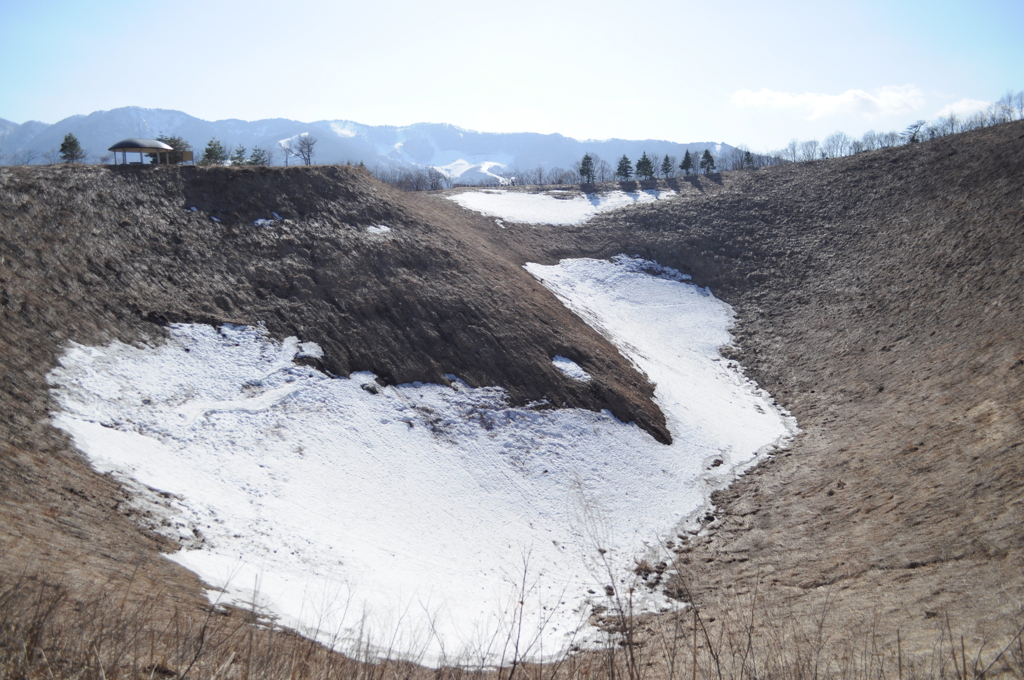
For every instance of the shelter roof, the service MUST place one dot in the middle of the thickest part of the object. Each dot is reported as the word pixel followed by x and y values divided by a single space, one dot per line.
pixel 135 145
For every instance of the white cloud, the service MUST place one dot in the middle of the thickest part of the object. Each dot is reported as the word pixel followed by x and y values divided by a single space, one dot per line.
pixel 880 102
pixel 962 107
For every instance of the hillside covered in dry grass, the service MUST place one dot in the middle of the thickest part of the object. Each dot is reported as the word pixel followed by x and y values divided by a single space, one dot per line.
pixel 878 299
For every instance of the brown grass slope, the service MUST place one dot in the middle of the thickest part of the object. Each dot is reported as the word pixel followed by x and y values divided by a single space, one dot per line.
pixel 879 298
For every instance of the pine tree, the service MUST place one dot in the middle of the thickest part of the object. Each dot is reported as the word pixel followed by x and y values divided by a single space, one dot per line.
pixel 71 150
pixel 177 143
pixel 214 153
pixel 667 164
pixel 258 157
pixel 644 167
pixel 707 162
pixel 587 169
pixel 748 159
pixel 238 155
pixel 912 135
pixel 687 165
pixel 625 170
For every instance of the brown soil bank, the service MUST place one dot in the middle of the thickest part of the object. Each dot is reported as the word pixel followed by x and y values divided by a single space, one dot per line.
pixel 880 300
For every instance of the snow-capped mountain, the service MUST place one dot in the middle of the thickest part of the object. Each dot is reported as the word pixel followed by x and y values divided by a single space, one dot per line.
pixel 465 155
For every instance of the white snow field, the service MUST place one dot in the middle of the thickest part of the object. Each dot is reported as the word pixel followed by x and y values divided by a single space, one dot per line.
pixel 429 521
pixel 527 208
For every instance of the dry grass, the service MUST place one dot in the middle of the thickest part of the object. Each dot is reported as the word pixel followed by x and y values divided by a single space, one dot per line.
pixel 46 633
pixel 758 636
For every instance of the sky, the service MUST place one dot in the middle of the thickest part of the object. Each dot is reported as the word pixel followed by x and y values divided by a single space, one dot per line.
pixel 742 72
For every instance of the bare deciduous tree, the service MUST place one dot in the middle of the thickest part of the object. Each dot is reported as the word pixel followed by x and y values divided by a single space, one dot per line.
pixel 24 158
pixel 946 126
pixel 438 180
pixel 412 179
pixel 655 164
pixel 792 151
pixel 305 148
pixel 733 160
pixel 560 176
pixel 836 144
pixel 1005 108
pixel 536 176
pixel 286 151
pixel 891 138
pixel 809 150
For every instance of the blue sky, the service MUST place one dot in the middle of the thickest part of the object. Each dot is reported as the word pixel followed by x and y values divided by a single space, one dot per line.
pixel 742 72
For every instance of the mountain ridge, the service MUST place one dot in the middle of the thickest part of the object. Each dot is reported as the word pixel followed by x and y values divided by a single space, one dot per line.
pixel 440 145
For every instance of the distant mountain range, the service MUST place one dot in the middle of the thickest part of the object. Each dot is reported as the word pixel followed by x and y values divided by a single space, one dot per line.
pixel 464 155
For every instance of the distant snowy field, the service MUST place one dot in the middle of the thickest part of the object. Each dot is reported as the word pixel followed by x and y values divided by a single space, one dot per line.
pixel 414 515
pixel 529 208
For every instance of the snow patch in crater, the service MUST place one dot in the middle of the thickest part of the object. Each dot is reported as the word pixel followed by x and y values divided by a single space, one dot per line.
pixel 413 514
pixel 544 208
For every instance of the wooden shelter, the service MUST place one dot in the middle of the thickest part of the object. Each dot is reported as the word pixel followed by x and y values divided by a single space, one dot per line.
pixel 144 146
